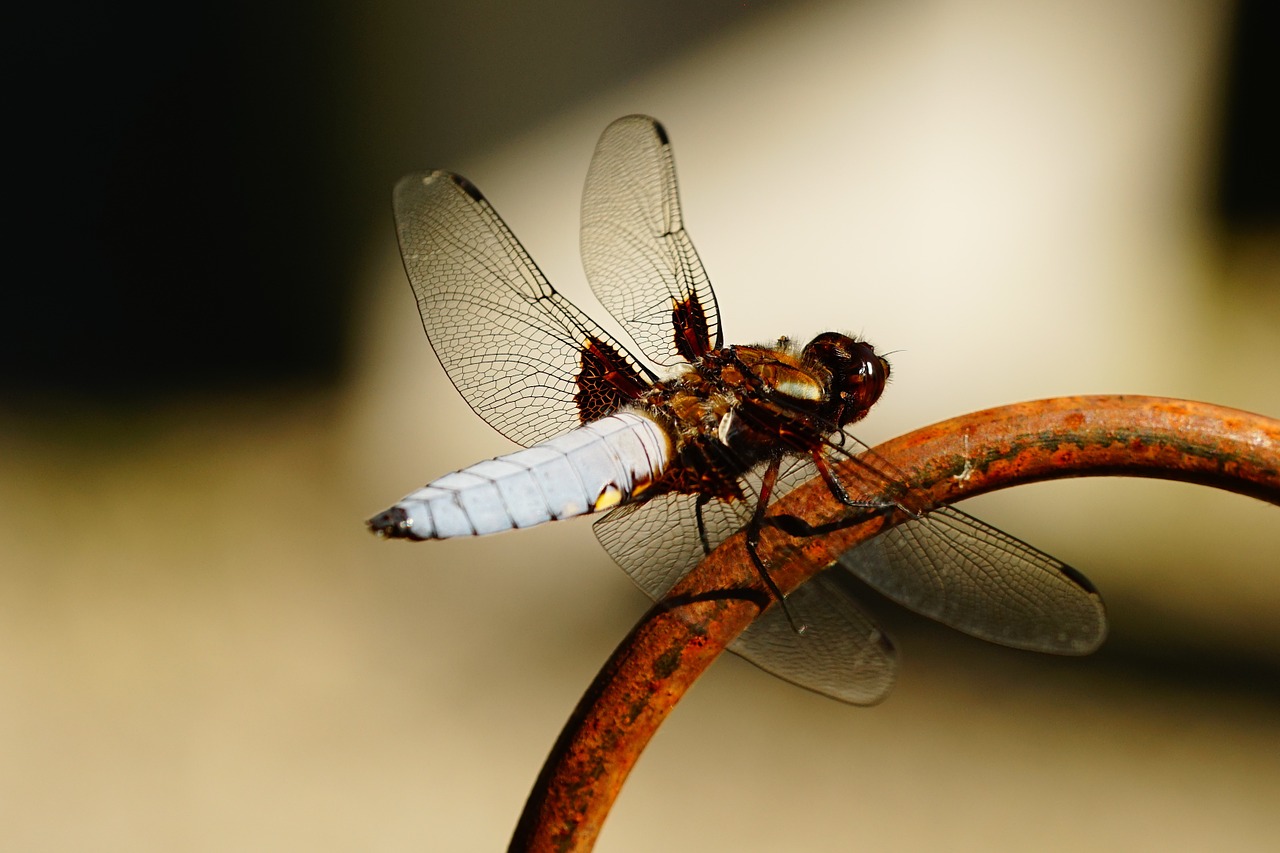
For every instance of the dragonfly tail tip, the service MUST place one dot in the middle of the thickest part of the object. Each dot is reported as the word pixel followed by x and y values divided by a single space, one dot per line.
pixel 393 523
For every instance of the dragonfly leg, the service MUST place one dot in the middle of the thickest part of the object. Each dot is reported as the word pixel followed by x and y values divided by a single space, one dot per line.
pixel 753 543
pixel 702 501
pixel 838 490
pixel 798 527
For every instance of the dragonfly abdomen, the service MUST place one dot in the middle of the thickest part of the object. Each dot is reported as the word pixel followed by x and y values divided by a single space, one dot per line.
pixel 595 467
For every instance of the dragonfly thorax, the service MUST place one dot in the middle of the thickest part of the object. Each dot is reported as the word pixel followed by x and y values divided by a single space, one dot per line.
pixel 741 405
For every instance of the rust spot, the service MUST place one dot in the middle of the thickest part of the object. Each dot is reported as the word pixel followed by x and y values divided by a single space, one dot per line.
pixel 638 705
pixel 667 663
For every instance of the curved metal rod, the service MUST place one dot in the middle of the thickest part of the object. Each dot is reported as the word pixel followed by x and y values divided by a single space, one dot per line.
pixel 959 458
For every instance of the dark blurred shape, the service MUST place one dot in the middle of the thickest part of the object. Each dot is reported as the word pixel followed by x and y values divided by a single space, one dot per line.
pixel 1249 176
pixel 194 184
pixel 182 219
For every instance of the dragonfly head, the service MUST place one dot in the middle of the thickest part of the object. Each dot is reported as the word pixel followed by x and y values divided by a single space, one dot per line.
pixel 858 374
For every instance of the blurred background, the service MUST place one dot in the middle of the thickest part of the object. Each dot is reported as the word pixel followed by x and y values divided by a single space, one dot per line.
pixel 212 370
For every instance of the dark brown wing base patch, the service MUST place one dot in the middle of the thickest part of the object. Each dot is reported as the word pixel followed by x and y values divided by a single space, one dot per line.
pixel 606 381
pixel 693 338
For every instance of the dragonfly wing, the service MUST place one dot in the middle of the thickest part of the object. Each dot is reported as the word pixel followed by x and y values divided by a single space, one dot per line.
pixel 637 255
pixel 951 567
pixel 842 654
pixel 657 543
pixel 524 358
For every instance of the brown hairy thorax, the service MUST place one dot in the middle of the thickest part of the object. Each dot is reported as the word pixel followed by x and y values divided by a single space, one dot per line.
pixel 738 406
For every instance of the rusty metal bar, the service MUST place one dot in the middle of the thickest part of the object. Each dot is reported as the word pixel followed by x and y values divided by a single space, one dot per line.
pixel 966 456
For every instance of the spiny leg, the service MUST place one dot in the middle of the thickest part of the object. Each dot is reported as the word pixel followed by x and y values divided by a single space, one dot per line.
pixel 702 501
pixel 838 490
pixel 892 479
pixel 753 539
pixel 798 527
pixel 753 542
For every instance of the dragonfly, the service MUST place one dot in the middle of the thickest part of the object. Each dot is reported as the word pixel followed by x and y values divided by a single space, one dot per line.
pixel 681 442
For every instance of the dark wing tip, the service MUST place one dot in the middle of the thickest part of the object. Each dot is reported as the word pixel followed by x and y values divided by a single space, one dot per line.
pixel 1077 577
pixel 391 524
pixel 414 183
pixel 462 184
pixel 641 118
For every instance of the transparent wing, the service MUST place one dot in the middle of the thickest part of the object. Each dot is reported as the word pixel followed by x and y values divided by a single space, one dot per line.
pixel 656 542
pixel 842 654
pixel 959 570
pixel 951 567
pixel 511 344
pixel 637 255
pixel 946 565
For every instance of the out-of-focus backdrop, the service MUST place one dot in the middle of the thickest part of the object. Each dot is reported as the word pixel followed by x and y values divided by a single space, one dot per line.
pixel 213 371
